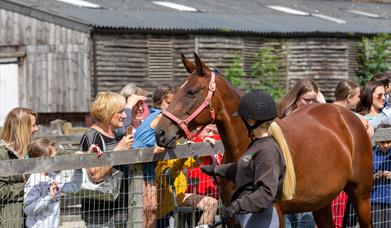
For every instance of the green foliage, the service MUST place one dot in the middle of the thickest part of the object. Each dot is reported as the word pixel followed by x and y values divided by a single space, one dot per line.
pixel 265 71
pixel 235 72
pixel 373 57
pixel 263 75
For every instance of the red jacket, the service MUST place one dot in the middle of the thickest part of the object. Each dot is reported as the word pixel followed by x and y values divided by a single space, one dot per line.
pixel 200 183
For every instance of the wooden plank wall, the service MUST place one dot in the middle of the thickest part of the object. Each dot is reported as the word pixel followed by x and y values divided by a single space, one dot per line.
pixel 55 75
pixel 155 59
pixel 325 60
pixel 121 59
pixel 278 48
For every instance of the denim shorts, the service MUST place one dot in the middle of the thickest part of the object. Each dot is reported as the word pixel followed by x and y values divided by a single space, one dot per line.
pixel 149 171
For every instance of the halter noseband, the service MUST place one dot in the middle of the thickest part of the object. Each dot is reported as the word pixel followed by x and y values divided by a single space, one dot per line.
pixel 183 124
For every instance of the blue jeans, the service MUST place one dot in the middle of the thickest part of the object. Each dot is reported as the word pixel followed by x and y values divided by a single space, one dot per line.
pixel 300 220
pixel 267 218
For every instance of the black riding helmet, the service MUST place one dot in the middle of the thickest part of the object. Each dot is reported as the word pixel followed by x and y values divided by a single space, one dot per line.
pixel 256 105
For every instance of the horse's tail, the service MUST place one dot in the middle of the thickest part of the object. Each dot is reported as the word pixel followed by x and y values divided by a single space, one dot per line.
pixel 289 185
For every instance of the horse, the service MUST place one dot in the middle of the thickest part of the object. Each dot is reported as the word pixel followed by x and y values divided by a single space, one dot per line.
pixel 329 148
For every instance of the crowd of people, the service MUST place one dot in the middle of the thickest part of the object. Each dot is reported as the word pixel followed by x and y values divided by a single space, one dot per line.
pixel 125 120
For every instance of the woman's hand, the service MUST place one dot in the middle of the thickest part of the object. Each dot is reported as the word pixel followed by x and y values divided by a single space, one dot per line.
pixel 125 143
pixel 95 149
pixel 378 175
pixel 387 174
pixel 158 150
pixel 132 100
pixel 53 188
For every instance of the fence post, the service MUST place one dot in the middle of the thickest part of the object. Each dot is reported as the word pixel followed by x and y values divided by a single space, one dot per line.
pixel 135 215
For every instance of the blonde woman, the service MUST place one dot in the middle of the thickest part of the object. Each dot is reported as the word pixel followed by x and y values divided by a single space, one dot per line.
pixel 19 126
pixel 108 111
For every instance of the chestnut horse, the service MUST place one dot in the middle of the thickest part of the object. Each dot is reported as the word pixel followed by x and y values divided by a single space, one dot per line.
pixel 328 144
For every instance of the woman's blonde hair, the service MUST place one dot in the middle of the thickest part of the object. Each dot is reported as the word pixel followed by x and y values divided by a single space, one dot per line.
pixel 16 132
pixel 105 105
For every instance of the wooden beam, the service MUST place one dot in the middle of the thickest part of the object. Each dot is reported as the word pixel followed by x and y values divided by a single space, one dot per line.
pixel 134 156
pixel 12 55
pixel 382 135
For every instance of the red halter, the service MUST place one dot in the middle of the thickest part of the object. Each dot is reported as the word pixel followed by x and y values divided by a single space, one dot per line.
pixel 183 124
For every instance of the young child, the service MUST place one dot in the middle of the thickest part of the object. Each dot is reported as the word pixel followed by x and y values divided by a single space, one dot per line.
pixel 42 191
pixel 381 191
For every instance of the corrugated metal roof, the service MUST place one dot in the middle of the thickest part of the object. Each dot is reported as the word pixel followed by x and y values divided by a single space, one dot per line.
pixel 225 16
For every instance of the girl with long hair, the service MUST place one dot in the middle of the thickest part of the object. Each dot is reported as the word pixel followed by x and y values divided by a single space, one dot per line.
pixel 18 129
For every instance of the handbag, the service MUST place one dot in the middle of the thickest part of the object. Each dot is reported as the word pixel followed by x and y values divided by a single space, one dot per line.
pixel 107 190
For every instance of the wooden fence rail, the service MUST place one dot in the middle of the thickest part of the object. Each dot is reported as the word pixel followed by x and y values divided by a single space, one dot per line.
pixel 110 158
pixel 132 157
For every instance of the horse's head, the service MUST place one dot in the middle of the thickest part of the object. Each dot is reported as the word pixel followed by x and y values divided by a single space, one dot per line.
pixel 193 105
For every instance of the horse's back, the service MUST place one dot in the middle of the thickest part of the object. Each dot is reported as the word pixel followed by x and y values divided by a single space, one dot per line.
pixel 329 145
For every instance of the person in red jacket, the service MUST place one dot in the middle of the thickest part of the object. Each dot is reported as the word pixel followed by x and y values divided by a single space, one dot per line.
pixel 199 182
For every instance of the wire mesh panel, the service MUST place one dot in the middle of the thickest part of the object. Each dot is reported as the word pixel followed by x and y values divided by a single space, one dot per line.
pixel 181 201
pixel 381 192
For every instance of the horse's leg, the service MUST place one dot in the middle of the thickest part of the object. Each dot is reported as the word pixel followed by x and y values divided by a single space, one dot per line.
pixel 360 198
pixel 323 217
pixel 280 215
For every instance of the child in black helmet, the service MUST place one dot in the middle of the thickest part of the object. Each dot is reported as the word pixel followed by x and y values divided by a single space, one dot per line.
pixel 259 173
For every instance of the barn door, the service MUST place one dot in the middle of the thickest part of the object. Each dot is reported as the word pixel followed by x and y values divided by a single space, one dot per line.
pixel 9 88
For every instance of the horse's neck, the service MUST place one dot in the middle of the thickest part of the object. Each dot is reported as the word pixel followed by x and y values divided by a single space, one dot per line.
pixel 234 142
pixel 231 129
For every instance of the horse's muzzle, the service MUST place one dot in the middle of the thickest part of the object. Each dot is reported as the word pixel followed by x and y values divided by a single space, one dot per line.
pixel 164 140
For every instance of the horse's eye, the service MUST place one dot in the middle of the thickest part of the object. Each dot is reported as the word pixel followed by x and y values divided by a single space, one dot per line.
pixel 191 93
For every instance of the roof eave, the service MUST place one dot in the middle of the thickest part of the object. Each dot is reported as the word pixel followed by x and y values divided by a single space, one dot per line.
pixel 225 31
pixel 45 16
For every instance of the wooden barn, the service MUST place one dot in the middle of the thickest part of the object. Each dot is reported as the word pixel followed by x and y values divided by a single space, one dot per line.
pixel 66 50
pixel 44 63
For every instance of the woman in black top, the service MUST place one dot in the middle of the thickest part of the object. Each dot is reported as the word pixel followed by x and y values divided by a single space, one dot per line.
pixel 108 110
pixel 259 173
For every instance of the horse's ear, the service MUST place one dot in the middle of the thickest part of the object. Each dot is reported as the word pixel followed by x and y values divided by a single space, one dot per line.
pixel 200 65
pixel 190 67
